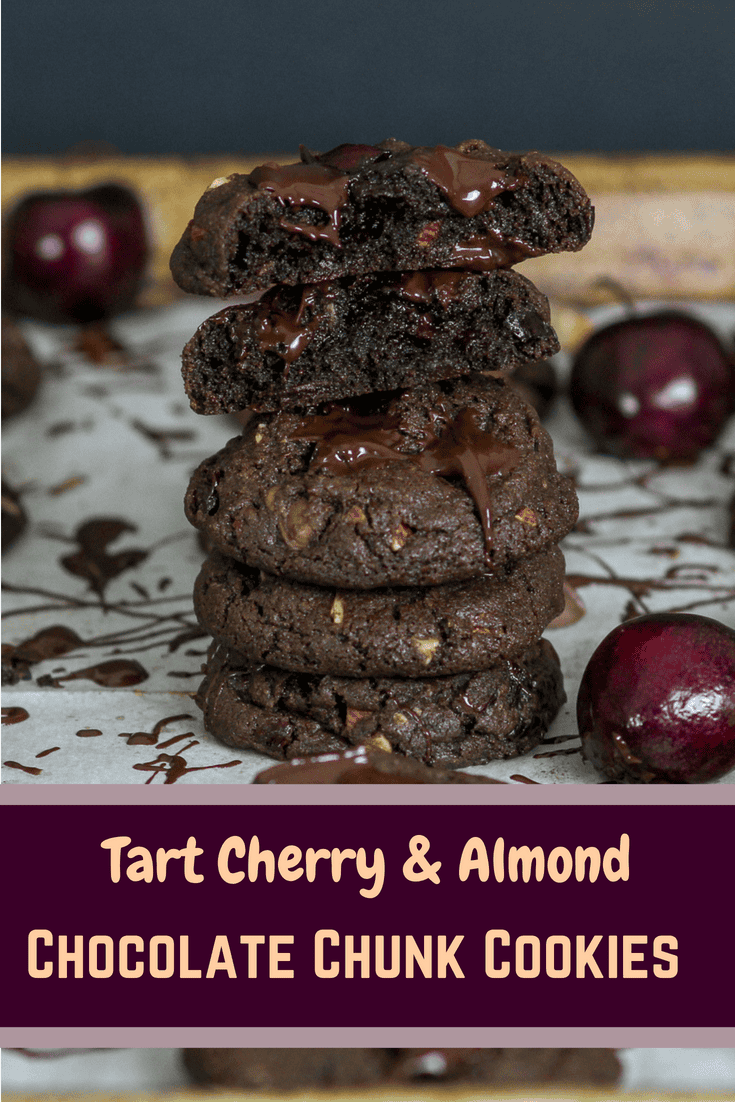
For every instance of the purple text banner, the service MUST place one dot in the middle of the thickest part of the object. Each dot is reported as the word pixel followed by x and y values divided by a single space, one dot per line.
pixel 434 916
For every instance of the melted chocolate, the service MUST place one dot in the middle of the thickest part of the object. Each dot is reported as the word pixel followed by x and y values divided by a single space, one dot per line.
pixel 286 332
pixel 306 185
pixel 118 673
pixel 484 252
pixel 424 286
pixel 45 753
pixel 347 441
pixel 13 715
pixel 469 184
pixel 358 765
pixel 145 738
pixel 88 732
pixel 50 642
pixel 92 560
pixel 32 769
pixel 173 766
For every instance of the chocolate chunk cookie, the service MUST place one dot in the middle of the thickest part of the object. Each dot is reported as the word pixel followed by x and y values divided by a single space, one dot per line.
pixel 508 1067
pixel 359 501
pixel 286 1069
pixel 399 632
pixel 450 722
pixel 301 346
pixel 390 207
pixel 301 1069
pixel 21 372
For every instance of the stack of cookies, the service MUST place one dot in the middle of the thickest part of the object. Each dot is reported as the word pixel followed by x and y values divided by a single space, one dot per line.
pixel 386 527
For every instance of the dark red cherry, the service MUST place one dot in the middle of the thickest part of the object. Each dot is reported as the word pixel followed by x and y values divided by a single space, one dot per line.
pixel 75 256
pixel 348 157
pixel 657 700
pixel 657 386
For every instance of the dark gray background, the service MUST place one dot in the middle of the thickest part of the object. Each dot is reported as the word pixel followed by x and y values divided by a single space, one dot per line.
pixel 157 76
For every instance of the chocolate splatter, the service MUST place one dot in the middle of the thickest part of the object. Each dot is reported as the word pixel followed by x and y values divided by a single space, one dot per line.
pixel 97 345
pixel 118 673
pixel 92 560
pixel 44 753
pixel 186 637
pixel 89 732
pixel 32 769
pixel 173 766
pixel 145 738
pixel 163 438
pixel 50 642
pixel 13 715
pixel 68 484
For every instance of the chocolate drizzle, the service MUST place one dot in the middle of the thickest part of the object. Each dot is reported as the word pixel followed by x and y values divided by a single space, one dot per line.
pixel 50 642
pixel 457 448
pixel 92 561
pixel 13 715
pixel 306 185
pixel 118 673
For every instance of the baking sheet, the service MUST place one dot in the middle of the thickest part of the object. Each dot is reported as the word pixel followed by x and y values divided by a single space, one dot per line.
pixel 152 1069
pixel 119 443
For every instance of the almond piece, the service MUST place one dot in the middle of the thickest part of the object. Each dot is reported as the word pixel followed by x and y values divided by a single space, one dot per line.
pixel 427 648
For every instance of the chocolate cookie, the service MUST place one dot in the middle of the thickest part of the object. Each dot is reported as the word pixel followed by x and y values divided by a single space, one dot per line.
pixel 442 483
pixel 21 372
pixel 400 632
pixel 286 1069
pixel 281 1069
pixel 300 346
pixel 390 207
pixel 450 722
pixel 507 1067
pixel 364 765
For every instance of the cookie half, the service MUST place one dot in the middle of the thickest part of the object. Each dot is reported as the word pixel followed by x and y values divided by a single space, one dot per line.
pixel 409 631
pixel 357 505
pixel 468 719
pixel 390 207
pixel 301 346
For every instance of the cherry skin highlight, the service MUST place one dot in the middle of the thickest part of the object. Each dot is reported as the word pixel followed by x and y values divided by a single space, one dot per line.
pixel 75 256
pixel 657 701
pixel 657 386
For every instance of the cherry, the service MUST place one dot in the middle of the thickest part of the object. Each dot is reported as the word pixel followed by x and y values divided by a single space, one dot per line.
pixel 653 386
pixel 657 700
pixel 75 256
